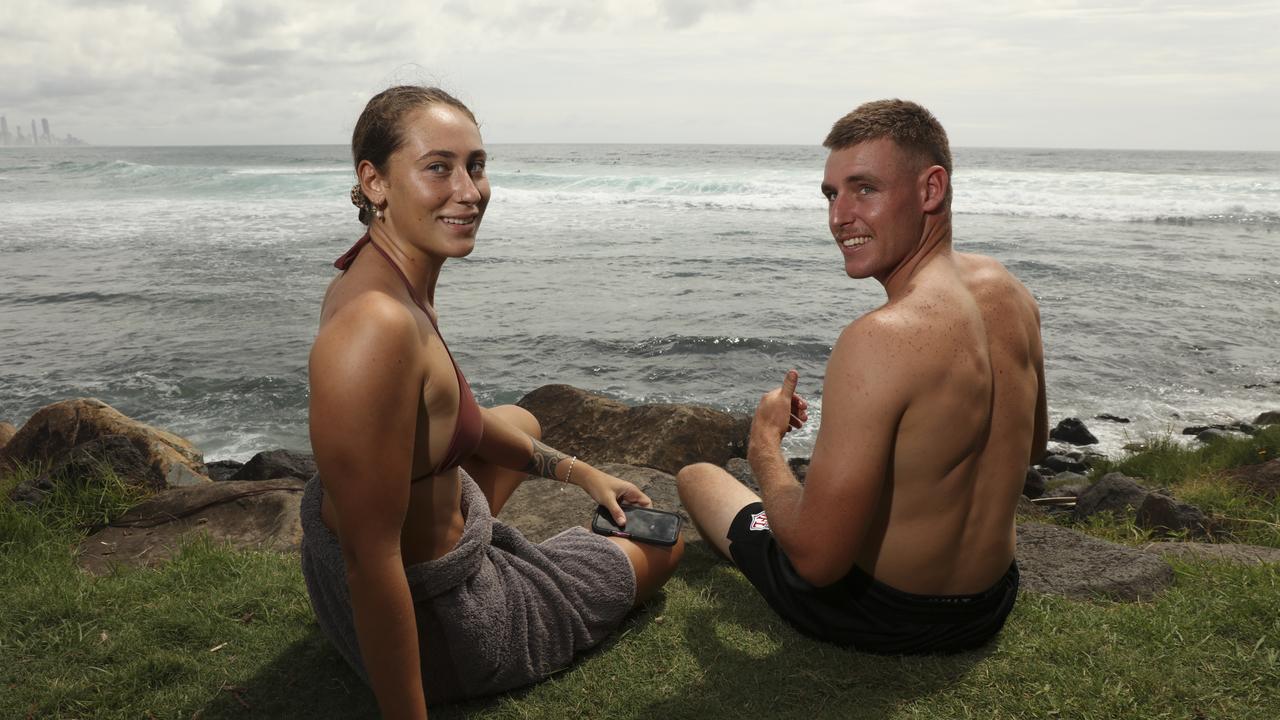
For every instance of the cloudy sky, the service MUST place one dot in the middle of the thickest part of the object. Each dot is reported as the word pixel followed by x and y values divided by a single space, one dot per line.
pixel 1046 73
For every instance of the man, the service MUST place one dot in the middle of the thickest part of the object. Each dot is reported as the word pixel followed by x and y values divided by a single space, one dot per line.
pixel 901 539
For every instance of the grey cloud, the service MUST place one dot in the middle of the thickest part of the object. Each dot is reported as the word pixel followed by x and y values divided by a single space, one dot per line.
pixel 681 14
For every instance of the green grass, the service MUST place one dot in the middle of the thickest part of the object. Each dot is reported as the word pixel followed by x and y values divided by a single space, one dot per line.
pixel 225 634
pixel 1199 476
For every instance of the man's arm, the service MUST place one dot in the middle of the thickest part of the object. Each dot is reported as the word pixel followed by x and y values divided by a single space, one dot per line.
pixel 1040 436
pixel 822 524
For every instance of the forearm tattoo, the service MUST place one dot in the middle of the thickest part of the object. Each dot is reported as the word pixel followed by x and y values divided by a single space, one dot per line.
pixel 544 461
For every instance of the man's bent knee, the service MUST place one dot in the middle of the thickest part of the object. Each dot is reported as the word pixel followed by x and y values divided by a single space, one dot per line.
pixel 690 475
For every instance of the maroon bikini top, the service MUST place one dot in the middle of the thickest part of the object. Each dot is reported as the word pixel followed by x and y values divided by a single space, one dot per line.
pixel 470 425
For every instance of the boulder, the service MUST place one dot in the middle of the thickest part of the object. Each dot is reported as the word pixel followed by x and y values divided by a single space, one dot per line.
pixel 260 515
pixel 7 431
pixel 271 464
pixel 1061 561
pixel 1073 430
pixel 219 470
pixel 1270 417
pixel 1263 478
pixel 799 467
pixel 1166 514
pixel 666 436
pixel 1028 509
pixel 1213 435
pixel 1034 484
pixel 1112 418
pixel 1237 553
pixel 1209 433
pixel 1063 463
pixel 1115 492
pixel 741 469
pixel 542 508
pixel 1063 480
pixel 85 464
pixel 56 429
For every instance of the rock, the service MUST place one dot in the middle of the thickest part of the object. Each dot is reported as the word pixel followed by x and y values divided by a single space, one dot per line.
pixel 799 467
pixel 542 508
pixel 56 429
pixel 1034 484
pixel 1220 430
pixel 223 469
pixel 1115 492
pixel 1136 447
pixel 260 515
pixel 1073 430
pixel 1066 483
pixel 741 469
pixel 84 464
pixel 7 431
pixel 1263 478
pixel 1091 459
pixel 1112 418
pixel 1163 513
pixel 666 437
pixel 271 464
pixel 1213 435
pixel 1270 417
pixel 1225 552
pixel 1061 561
pixel 1026 508
pixel 1062 463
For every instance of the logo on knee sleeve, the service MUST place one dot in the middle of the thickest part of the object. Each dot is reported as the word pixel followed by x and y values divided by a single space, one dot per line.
pixel 759 521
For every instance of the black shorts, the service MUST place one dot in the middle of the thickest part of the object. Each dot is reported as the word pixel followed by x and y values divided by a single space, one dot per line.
pixel 860 611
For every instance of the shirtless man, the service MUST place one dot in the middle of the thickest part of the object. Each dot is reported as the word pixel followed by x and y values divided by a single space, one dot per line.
pixel 901 539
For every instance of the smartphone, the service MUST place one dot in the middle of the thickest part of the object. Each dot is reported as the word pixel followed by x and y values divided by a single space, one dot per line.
pixel 643 525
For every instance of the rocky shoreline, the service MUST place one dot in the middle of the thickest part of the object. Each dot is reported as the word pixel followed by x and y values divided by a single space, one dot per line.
pixel 255 504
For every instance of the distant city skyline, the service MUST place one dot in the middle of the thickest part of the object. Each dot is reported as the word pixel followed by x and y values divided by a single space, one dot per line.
pixel 1055 73
pixel 36 138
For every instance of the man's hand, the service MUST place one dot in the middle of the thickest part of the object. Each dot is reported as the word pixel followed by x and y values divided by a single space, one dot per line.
pixel 780 410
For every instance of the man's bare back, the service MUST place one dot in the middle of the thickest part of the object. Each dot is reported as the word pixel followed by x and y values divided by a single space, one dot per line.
pixel 970 385
pixel 901 539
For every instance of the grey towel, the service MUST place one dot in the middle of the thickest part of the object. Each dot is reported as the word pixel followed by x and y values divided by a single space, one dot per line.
pixel 495 612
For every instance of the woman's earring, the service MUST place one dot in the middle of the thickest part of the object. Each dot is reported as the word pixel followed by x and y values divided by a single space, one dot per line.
pixel 378 212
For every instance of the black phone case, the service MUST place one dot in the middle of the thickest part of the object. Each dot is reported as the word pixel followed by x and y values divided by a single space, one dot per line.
pixel 602 524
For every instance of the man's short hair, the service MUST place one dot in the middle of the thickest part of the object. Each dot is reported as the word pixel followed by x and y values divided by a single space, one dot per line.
pixel 908 124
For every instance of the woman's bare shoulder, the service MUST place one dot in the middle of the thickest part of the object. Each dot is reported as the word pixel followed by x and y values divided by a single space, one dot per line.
pixel 364 327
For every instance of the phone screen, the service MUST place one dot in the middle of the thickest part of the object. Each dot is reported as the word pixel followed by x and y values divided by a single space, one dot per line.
pixel 642 524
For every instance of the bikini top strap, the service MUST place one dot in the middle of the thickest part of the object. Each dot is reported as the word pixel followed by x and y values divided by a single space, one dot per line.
pixel 349 256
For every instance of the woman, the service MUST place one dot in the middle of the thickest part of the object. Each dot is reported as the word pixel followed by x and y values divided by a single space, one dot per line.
pixel 420 589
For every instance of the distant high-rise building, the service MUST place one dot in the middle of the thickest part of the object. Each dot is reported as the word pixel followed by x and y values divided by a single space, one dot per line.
pixel 34 137
pixel 4 130
pixel 44 123
pixel 22 139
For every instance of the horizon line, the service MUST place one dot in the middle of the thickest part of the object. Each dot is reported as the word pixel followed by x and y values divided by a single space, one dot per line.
pixel 87 144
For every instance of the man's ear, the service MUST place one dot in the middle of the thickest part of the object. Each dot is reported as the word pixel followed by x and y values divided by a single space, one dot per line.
pixel 936 184
pixel 371 183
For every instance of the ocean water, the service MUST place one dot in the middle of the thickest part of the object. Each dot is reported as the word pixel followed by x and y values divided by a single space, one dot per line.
pixel 182 285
